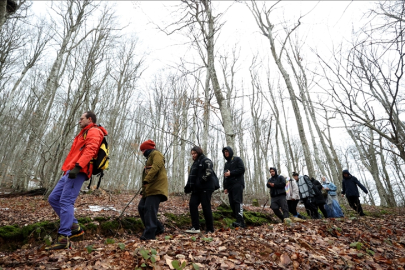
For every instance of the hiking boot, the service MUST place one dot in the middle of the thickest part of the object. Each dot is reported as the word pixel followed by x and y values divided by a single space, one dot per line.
pixel 76 231
pixel 62 243
pixel 160 231
pixel 192 230
pixel 287 221
pixel 238 224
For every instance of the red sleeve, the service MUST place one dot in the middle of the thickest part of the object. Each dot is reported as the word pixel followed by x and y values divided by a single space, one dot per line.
pixel 93 140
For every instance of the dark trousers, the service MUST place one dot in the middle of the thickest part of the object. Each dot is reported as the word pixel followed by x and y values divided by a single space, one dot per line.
pixel 277 203
pixel 235 195
pixel 203 197
pixel 148 208
pixel 311 208
pixel 292 207
pixel 321 207
pixel 354 203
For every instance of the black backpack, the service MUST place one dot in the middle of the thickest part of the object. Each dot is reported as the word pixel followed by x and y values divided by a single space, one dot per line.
pixel 213 175
pixel 215 179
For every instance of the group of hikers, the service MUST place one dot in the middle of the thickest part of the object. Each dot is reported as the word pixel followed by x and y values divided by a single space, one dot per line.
pixel 202 182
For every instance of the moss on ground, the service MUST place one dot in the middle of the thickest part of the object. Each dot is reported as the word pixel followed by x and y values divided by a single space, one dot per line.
pixel 133 224
pixel 84 220
pixel 16 236
pixel 181 221
pixel 101 219
pixel 257 218
pixel 10 231
pixel 110 225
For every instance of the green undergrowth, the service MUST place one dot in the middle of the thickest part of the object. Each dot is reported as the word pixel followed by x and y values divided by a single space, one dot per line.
pixel 14 236
pixel 222 218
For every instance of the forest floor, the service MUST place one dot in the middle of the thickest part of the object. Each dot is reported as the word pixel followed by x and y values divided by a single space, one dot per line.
pixel 376 241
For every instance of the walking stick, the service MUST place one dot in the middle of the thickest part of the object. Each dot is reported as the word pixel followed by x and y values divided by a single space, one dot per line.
pixel 130 202
pixel 264 205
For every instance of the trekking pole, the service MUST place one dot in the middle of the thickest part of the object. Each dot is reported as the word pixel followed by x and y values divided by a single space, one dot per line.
pixel 129 202
pixel 264 205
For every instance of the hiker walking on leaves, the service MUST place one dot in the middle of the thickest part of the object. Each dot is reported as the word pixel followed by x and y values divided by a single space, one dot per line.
pixel 201 185
pixel 319 199
pixel 307 195
pixel 293 195
pixel 155 190
pixel 234 183
pixel 77 168
pixel 349 188
pixel 276 184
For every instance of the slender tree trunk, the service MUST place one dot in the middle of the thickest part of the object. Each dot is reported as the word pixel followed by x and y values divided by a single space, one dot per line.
pixel 390 197
pixel 222 102
pixel 3 12
pixel 267 31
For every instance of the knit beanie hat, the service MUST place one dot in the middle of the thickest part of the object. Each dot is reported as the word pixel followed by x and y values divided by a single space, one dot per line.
pixel 149 144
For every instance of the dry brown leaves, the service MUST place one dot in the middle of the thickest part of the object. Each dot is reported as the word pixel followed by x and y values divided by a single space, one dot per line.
pixel 360 243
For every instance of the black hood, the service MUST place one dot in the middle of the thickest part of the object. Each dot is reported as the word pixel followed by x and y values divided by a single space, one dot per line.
pixel 274 169
pixel 230 152
pixel 346 171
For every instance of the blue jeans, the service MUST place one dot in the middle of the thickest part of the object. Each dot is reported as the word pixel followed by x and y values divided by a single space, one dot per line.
pixel 62 200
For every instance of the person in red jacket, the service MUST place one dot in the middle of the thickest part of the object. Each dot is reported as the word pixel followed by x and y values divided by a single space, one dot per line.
pixel 77 169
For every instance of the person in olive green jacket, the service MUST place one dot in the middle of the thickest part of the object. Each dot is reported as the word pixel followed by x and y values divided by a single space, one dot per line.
pixel 155 189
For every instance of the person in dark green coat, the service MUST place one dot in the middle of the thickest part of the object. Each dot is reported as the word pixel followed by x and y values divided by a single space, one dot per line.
pixel 155 189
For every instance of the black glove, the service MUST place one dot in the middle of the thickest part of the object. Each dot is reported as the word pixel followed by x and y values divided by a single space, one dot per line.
pixel 73 172
pixel 187 189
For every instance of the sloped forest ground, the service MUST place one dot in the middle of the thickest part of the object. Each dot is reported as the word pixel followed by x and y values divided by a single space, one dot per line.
pixel 376 241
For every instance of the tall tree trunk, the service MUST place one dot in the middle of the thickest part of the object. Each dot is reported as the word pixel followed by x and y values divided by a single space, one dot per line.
pixel 389 193
pixel 3 12
pixel 222 102
pixel 267 31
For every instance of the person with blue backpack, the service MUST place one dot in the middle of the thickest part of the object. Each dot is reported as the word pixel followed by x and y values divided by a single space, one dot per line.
pixel 332 206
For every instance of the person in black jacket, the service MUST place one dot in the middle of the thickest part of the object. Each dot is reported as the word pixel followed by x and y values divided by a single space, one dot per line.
pixel 234 183
pixel 349 187
pixel 201 185
pixel 319 198
pixel 278 195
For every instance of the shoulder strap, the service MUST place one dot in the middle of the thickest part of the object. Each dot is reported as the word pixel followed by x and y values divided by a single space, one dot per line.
pixel 85 133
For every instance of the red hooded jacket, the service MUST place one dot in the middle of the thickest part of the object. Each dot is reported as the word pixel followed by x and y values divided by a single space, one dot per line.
pixel 83 150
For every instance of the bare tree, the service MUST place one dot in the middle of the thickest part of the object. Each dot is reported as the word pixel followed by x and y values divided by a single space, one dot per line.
pixel 264 22
pixel 10 9
pixel 204 27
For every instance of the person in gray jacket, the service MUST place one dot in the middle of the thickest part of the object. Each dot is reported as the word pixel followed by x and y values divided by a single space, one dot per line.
pixel 293 195
pixel 349 188
pixel 277 183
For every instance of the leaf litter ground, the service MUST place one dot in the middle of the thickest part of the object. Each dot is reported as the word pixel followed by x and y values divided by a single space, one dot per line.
pixel 376 241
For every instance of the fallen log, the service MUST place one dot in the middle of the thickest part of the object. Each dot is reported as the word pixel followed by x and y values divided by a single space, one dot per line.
pixel 34 192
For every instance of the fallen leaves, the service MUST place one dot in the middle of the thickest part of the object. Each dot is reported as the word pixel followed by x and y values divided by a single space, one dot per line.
pixel 359 243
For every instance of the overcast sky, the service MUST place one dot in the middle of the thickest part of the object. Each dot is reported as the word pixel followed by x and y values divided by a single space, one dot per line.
pixel 326 23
